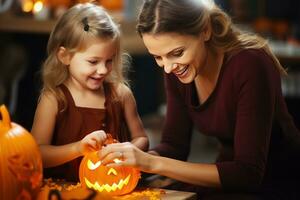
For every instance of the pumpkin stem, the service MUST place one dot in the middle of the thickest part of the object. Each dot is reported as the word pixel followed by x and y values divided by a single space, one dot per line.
pixel 5 116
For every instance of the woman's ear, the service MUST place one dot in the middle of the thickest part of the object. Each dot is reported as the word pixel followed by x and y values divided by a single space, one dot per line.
pixel 207 32
pixel 63 55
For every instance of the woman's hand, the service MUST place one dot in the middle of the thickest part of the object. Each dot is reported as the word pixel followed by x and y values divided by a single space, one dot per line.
pixel 92 142
pixel 129 155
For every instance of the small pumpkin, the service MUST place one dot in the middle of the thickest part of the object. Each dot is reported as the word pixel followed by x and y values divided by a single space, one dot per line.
pixel 20 161
pixel 109 180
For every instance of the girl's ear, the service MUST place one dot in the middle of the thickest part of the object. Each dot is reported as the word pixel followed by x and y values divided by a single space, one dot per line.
pixel 63 55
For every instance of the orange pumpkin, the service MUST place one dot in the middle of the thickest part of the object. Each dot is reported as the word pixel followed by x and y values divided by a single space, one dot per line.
pixel 20 161
pixel 112 4
pixel 109 180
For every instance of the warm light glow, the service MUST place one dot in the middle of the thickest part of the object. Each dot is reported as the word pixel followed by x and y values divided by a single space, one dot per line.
pixel 27 6
pixel 112 171
pixel 38 6
pixel 92 166
pixel 117 161
pixel 107 187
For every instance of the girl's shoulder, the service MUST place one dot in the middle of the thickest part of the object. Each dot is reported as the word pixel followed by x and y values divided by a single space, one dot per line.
pixel 49 97
pixel 123 91
pixel 48 101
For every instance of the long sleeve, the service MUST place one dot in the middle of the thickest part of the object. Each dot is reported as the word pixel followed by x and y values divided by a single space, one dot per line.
pixel 256 82
pixel 176 136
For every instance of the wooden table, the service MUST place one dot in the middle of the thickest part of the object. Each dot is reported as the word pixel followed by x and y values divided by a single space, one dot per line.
pixel 68 191
pixel 168 195
pixel 177 195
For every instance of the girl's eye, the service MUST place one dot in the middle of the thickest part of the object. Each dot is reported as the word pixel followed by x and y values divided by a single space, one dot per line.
pixel 109 61
pixel 93 62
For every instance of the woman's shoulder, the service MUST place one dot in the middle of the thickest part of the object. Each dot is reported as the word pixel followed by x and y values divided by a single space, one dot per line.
pixel 250 61
pixel 245 56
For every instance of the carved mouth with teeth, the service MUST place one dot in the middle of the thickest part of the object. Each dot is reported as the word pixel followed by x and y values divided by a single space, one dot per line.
pixel 106 187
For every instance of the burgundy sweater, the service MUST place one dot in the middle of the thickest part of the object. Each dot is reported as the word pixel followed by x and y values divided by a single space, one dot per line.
pixel 247 113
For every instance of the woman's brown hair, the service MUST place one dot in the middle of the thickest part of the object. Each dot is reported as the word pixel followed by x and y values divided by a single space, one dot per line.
pixel 191 17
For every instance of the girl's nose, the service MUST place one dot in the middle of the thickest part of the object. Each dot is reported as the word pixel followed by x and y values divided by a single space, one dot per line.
pixel 101 69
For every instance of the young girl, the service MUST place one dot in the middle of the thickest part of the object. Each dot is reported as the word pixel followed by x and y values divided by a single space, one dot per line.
pixel 84 95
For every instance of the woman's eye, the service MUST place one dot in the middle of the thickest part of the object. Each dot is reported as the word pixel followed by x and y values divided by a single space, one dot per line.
pixel 156 57
pixel 178 53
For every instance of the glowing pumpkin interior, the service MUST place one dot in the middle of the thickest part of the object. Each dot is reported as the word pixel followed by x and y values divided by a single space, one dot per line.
pixel 111 180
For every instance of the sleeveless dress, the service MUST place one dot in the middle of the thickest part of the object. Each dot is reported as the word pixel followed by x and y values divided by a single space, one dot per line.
pixel 73 124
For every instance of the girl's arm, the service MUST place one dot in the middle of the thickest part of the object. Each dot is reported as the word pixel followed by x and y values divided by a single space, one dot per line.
pixel 42 130
pixel 135 125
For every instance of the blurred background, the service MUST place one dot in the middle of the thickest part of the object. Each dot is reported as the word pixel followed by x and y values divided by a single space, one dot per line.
pixel 24 30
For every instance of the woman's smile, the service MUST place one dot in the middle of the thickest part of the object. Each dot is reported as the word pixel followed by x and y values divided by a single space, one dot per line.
pixel 182 71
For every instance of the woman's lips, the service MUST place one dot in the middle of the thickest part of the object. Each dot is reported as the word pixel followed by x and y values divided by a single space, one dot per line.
pixel 181 71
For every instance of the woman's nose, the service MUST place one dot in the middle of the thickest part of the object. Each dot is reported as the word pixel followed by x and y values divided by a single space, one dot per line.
pixel 169 67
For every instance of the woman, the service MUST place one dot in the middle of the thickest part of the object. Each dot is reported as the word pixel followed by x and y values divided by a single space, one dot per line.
pixel 227 84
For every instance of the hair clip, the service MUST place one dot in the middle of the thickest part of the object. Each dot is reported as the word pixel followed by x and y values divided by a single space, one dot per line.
pixel 86 26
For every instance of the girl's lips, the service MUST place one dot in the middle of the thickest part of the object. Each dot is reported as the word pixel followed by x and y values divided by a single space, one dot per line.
pixel 97 80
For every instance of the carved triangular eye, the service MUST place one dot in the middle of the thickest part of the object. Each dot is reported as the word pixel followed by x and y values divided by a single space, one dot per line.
pixel 92 166
pixel 116 160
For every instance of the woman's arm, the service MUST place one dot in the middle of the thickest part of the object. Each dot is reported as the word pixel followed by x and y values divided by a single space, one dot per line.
pixel 198 174
pixel 175 143
pixel 135 125
pixel 255 83
pixel 177 130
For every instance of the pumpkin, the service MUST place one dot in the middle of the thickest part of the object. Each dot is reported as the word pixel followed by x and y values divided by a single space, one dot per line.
pixel 20 161
pixel 112 4
pixel 118 180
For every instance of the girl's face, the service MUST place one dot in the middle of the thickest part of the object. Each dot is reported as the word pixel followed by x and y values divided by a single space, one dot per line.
pixel 89 67
pixel 183 55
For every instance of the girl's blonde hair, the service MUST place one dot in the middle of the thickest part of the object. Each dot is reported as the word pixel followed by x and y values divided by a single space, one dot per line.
pixel 71 33
pixel 191 17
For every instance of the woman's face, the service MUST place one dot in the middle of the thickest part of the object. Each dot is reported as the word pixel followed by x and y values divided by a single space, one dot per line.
pixel 183 55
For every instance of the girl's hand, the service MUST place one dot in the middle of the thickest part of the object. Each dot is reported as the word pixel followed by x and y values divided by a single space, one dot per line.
pixel 128 154
pixel 92 142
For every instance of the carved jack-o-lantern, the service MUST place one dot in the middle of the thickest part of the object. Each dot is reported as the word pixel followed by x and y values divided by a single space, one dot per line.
pixel 20 161
pixel 111 180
